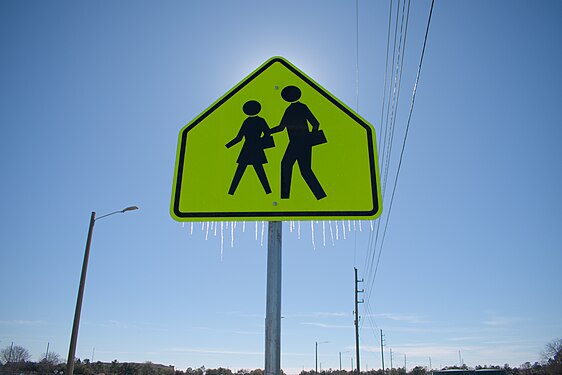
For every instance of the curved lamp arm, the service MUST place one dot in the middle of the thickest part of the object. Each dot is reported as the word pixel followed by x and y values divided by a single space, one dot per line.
pixel 130 208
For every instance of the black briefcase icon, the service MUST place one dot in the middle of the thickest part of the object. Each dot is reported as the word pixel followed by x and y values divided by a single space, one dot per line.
pixel 317 137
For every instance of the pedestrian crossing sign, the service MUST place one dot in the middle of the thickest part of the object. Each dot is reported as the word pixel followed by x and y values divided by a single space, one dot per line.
pixel 277 146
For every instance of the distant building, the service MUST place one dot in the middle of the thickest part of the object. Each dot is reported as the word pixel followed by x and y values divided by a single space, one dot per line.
pixel 491 371
pixel 454 372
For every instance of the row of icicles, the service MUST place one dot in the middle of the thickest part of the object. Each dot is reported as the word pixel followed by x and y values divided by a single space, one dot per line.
pixel 334 229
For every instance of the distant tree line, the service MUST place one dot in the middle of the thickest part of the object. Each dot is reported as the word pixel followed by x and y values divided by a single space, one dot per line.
pixel 52 365
pixel 14 360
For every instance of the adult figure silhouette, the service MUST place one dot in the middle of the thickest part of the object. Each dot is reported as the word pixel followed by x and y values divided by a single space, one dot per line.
pixel 296 118
pixel 252 152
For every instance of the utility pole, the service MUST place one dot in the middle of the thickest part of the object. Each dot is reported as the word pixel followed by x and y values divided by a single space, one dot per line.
pixel 382 351
pixel 316 355
pixel 357 302
pixel 340 361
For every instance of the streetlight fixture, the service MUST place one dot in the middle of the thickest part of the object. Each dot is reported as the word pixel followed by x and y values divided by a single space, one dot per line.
pixel 74 336
pixel 316 342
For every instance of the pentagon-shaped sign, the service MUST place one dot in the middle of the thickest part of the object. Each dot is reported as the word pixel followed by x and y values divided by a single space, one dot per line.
pixel 277 146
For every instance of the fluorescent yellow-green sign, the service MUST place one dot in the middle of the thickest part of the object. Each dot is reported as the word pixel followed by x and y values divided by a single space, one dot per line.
pixel 277 146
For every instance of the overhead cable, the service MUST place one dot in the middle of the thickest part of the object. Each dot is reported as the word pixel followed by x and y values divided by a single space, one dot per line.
pixel 405 135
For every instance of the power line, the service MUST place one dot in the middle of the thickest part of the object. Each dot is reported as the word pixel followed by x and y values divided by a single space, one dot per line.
pixel 396 92
pixel 371 275
pixel 407 129
pixel 388 107
pixel 386 66
pixel 385 128
pixel 396 77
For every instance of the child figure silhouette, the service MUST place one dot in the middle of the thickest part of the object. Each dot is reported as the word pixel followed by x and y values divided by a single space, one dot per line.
pixel 252 152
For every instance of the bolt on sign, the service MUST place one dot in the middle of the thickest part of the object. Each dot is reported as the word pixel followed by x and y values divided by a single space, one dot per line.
pixel 277 146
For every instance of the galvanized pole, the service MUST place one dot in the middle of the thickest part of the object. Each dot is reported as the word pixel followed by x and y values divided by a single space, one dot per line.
pixel 74 337
pixel 273 300
pixel 76 324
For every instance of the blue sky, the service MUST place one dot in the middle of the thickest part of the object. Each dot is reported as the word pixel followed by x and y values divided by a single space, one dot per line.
pixel 93 95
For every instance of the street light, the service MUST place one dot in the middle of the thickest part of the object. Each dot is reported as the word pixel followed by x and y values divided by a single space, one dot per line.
pixel 74 337
pixel 316 342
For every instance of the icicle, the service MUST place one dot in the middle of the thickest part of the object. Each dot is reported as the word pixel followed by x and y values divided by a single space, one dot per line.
pixel 312 234
pixel 207 232
pixel 232 235
pixel 183 225
pixel 355 225
pixel 349 226
pixel 324 233
pixel 337 230
pixel 202 226
pixel 262 231
pixel 191 231
pixel 222 239
pixel 215 230
pixel 360 226
pixel 243 227
pixel 331 232
pixel 299 230
pixel 227 224
pixel 343 229
pixel 372 225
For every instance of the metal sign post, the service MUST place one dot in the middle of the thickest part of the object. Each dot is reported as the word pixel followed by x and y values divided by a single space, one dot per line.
pixel 242 129
pixel 273 300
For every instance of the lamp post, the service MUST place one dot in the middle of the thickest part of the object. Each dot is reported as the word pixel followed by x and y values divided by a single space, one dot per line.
pixel 76 324
pixel 316 351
